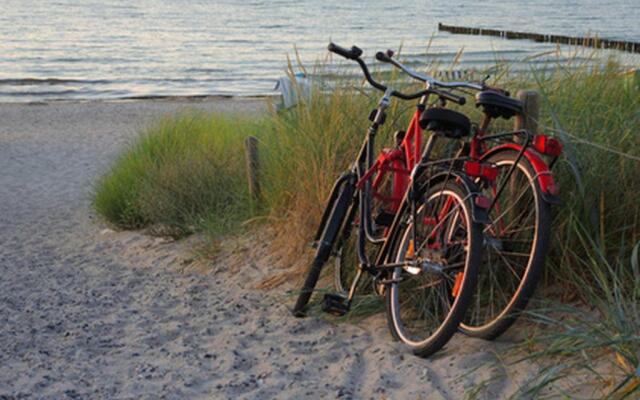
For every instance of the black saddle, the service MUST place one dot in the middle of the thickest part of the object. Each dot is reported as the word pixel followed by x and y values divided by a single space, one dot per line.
pixel 496 104
pixel 448 122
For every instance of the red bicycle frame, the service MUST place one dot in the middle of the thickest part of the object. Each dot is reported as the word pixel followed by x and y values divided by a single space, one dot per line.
pixel 401 160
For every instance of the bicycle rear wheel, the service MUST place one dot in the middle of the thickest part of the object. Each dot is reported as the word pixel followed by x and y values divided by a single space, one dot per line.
pixel 427 301
pixel 516 244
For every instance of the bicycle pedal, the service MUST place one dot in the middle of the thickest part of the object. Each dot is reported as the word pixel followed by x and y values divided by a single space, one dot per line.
pixel 335 304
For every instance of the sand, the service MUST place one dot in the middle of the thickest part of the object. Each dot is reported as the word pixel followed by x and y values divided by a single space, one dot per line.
pixel 86 312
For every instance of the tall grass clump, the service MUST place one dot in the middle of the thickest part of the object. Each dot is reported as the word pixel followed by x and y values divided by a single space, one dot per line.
pixel 596 112
pixel 596 342
pixel 582 349
pixel 182 174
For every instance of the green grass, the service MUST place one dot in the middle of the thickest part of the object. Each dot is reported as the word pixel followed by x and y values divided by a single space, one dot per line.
pixel 187 174
pixel 181 175
pixel 588 348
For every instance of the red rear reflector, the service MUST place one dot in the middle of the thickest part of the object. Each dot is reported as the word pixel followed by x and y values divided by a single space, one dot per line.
pixel 472 168
pixel 490 172
pixel 547 145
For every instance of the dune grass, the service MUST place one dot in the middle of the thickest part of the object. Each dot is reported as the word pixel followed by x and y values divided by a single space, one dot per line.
pixel 182 175
pixel 187 174
pixel 588 348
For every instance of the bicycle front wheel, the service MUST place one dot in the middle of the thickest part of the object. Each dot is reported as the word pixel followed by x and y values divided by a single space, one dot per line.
pixel 441 250
pixel 334 224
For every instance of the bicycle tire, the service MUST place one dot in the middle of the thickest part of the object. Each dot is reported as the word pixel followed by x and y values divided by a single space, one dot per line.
pixel 399 313
pixel 325 246
pixel 346 258
pixel 506 315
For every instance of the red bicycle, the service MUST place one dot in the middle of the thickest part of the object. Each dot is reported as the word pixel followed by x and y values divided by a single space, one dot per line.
pixel 424 245
pixel 521 188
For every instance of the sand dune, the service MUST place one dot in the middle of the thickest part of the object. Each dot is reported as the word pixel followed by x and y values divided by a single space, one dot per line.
pixel 86 312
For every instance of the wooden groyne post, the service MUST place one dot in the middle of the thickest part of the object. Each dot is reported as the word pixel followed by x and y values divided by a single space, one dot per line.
pixel 595 42
pixel 253 166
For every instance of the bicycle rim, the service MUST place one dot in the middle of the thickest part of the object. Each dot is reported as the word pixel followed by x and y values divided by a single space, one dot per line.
pixel 426 307
pixel 514 250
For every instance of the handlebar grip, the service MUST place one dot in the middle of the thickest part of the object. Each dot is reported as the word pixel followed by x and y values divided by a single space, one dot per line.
pixel 351 54
pixel 383 57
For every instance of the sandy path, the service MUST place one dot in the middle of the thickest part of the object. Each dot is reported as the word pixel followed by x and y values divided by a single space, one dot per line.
pixel 90 313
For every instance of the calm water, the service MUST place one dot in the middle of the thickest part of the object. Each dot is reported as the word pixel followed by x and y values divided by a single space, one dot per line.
pixel 87 49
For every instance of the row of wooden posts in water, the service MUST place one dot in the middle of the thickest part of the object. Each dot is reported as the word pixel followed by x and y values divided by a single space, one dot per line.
pixel 595 42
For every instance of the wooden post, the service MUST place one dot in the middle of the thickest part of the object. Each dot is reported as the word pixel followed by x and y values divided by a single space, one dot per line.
pixel 253 166
pixel 529 121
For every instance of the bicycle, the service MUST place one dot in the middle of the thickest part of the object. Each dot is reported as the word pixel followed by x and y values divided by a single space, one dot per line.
pixel 517 239
pixel 429 245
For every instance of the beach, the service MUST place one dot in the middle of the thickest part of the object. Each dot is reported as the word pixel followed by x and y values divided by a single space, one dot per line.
pixel 88 312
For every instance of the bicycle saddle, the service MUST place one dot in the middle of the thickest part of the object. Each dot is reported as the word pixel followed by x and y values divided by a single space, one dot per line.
pixel 451 123
pixel 496 104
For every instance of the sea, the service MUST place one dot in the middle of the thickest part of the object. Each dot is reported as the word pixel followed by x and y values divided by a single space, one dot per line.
pixel 54 50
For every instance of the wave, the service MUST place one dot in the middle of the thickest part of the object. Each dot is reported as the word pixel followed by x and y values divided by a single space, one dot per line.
pixel 51 81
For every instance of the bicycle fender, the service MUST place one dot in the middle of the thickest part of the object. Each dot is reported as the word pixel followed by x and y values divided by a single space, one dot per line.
pixel 347 177
pixel 550 190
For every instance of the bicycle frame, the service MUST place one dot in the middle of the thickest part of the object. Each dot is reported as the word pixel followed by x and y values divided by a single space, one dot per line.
pixel 403 162
pixel 406 162
pixel 477 149
pixel 399 161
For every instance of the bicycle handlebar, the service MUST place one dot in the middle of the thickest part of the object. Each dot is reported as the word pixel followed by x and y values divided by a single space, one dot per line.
pixel 351 54
pixel 430 81
pixel 383 56
pixel 354 54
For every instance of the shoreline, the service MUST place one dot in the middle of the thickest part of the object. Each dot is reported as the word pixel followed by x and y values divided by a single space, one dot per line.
pixel 149 98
